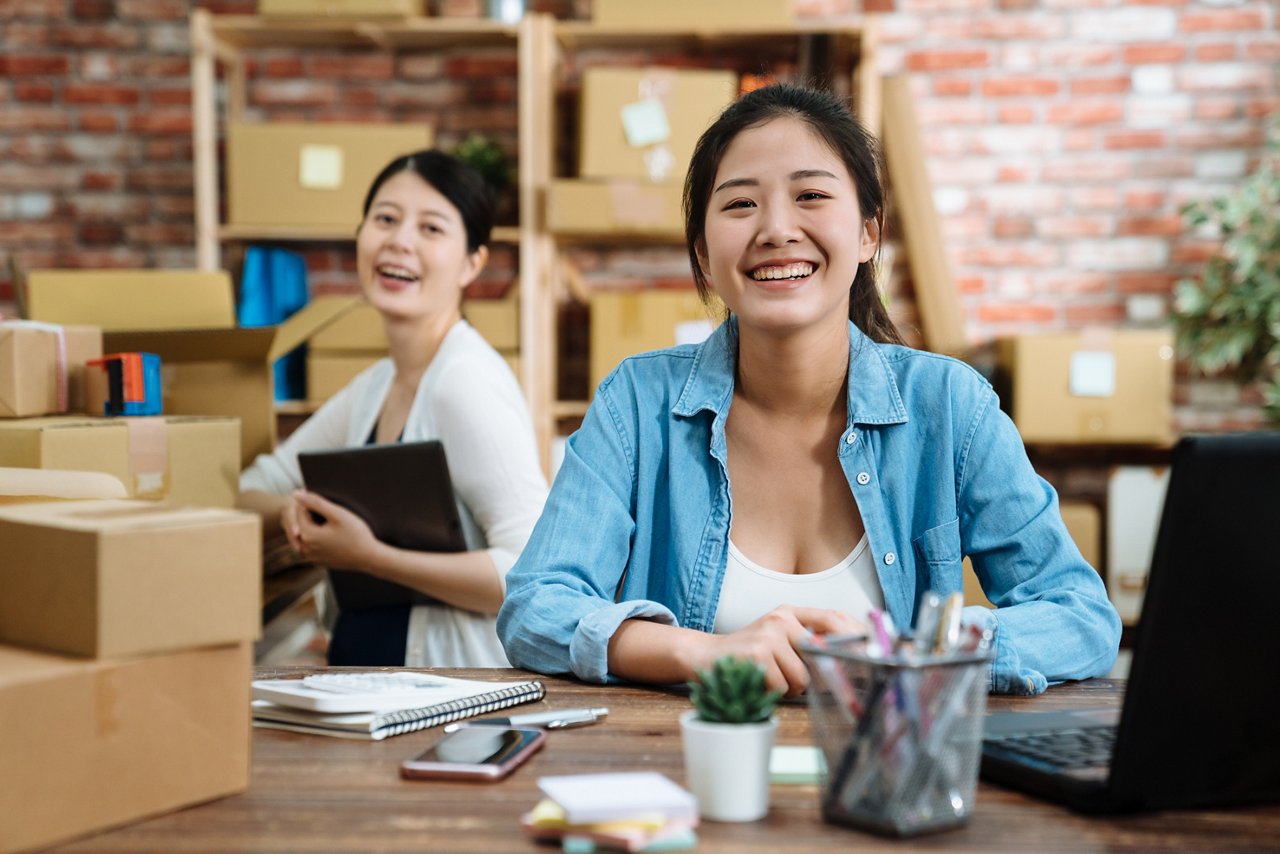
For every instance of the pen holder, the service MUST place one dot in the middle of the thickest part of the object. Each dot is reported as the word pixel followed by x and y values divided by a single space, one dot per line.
pixel 901 738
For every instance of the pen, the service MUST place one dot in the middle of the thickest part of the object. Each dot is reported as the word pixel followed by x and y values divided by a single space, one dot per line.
pixel 554 719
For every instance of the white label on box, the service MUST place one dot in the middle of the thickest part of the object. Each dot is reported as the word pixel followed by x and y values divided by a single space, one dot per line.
pixel 320 167
pixel 1093 373
pixel 693 331
pixel 645 123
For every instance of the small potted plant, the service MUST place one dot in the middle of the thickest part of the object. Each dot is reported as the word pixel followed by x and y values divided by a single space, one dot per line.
pixel 727 737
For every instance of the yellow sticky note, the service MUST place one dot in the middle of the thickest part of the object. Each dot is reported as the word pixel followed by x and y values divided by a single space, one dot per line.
pixel 320 167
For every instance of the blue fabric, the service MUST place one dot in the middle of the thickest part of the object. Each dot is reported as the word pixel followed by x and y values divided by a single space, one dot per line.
pixel 637 523
pixel 273 286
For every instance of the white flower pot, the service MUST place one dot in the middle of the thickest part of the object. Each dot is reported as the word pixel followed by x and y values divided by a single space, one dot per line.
pixel 727 766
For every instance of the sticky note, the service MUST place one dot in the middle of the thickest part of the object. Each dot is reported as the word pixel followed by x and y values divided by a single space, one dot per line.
pixel 320 167
pixel 799 764
pixel 1092 373
pixel 645 123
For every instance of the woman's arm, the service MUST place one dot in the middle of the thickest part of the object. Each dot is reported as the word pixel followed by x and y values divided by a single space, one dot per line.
pixel 1053 619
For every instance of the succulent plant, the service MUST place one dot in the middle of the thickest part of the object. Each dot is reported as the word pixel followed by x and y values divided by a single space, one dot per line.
pixel 732 691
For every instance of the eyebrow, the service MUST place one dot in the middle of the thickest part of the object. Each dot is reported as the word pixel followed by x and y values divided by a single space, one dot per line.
pixel 794 176
pixel 431 212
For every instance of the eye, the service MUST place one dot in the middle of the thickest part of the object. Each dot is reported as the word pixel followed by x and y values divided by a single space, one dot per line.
pixel 812 196
pixel 384 219
pixel 739 204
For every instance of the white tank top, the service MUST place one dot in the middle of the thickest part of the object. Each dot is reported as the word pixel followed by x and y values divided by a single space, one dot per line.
pixel 750 591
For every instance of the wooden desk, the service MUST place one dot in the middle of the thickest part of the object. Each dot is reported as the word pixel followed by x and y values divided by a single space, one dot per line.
pixel 313 793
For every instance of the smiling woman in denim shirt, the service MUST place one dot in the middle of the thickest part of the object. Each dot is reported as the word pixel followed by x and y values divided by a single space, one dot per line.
pixel 801 466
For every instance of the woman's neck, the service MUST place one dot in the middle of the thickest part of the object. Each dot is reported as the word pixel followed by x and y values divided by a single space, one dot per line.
pixel 796 375
pixel 413 343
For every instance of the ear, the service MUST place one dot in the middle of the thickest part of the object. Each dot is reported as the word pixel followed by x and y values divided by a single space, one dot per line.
pixel 700 249
pixel 870 239
pixel 476 262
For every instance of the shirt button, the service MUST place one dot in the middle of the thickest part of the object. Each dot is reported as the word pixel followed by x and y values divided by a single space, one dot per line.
pixel 851 438
pixel 889 558
pixel 863 478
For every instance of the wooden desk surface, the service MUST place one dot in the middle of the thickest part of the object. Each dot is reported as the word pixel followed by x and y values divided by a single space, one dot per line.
pixel 315 793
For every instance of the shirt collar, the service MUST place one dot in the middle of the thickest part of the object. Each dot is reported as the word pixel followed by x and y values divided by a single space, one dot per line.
pixel 873 392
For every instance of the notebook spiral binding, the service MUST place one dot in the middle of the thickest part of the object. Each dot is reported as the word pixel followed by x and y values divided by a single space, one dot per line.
pixel 410 720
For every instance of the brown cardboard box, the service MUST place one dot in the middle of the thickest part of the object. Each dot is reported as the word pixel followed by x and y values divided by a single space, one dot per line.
pixel 1097 386
pixel 42 367
pixel 627 322
pixel 97 744
pixel 690 100
pixel 715 15
pixel 309 174
pixel 328 373
pixel 342 8
pixel 118 577
pixel 1083 524
pixel 184 459
pixel 23 486
pixel 615 207
pixel 208 367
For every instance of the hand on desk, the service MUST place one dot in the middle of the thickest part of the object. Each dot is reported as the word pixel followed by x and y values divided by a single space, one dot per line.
pixel 341 539
pixel 771 641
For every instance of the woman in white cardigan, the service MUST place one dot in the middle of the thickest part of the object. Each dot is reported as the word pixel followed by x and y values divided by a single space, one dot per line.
pixel 424 237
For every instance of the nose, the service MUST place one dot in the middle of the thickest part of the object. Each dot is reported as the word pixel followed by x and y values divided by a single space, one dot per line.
pixel 400 236
pixel 778 225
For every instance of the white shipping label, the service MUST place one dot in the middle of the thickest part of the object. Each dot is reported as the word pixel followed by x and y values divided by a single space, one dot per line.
pixel 1092 373
pixel 645 123
pixel 320 167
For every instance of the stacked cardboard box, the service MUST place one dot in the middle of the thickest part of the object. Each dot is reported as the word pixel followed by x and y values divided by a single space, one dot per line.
pixel 713 15
pixel 161 605
pixel 42 367
pixel 627 322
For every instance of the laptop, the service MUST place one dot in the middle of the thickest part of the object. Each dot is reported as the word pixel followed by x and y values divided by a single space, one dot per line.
pixel 404 493
pixel 1200 722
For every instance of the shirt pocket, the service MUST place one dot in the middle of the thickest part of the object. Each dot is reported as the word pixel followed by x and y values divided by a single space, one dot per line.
pixel 939 548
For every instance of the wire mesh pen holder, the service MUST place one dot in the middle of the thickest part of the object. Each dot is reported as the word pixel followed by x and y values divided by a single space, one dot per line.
pixel 901 736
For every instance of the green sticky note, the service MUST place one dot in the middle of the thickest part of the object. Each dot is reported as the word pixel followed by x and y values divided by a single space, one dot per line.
pixel 796 764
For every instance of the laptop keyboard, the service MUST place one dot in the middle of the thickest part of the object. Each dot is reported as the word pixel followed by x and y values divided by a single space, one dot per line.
pixel 1066 749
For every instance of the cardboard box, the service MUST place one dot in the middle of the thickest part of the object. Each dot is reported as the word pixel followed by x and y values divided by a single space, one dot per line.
pixel 622 106
pixel 714 15
pixel 627 322
pixel 118 577
pixel 615 207
pixel 1135 499
pixel 342 8
pixel 96 744
pixel 42 367
pixel 23 486
pixel 309 174
pixel 1099 386
pixel 328 373
pixel 183 459
pixel 209 367
pixel 1083 524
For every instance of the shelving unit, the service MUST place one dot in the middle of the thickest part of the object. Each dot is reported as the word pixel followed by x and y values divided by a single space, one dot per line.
pixel 542 46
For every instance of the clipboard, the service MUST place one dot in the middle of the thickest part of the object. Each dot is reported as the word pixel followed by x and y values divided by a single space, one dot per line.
pixel 403 492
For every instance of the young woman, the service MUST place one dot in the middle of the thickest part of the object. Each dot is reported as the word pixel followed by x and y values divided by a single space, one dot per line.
pixel 427 219
pixel 801 466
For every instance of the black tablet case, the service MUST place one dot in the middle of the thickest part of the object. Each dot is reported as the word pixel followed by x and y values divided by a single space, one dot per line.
pixel 404 493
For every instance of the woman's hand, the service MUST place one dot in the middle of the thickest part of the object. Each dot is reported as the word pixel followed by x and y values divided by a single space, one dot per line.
pixel 343 540
pixel 771 642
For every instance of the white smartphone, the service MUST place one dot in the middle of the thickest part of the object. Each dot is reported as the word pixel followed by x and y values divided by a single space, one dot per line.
pixel 474 752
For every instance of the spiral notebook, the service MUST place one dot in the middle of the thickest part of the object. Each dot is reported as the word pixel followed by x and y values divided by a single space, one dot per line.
pixel 383 705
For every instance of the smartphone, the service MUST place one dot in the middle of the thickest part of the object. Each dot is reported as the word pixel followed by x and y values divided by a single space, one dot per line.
pixel 483 753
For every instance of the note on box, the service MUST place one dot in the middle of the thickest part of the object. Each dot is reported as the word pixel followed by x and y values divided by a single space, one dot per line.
pixel 94 744
pixel 120 577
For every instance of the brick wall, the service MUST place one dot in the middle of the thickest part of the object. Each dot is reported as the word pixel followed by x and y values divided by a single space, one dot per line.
pixel 1063 137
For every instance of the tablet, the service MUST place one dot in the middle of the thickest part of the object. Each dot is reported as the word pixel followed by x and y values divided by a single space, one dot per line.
pixel 403 492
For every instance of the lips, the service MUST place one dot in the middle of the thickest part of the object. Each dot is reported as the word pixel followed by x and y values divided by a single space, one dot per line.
pixel 397 274
pixel 783 272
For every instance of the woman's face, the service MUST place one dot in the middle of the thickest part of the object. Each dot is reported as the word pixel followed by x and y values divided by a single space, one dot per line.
pixel 411 250
pixel 784 235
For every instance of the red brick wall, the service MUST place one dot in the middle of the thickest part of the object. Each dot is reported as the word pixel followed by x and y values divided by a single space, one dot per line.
pixel 1063 137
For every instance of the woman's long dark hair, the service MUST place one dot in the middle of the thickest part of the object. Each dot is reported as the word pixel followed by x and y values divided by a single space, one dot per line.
pixel 454 179
pixel 827 117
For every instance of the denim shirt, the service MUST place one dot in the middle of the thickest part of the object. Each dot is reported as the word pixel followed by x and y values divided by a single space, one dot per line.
pixel 637 522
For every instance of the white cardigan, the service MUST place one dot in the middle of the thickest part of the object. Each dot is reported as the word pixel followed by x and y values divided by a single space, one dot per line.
pixel 469 400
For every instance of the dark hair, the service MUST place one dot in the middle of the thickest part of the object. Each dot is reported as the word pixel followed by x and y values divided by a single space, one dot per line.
pixel 455 180
pixel 827 117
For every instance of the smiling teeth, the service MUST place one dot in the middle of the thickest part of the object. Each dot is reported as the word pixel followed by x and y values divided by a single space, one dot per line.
pixel 398 273
pixel 790 271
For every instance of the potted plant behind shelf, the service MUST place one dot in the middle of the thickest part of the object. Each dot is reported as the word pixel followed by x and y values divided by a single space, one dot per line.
pixel 483 154
pixel 1228 317
pixel 727 737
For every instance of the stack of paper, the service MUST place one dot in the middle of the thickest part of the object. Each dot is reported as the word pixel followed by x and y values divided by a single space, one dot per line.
pixel 638 811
